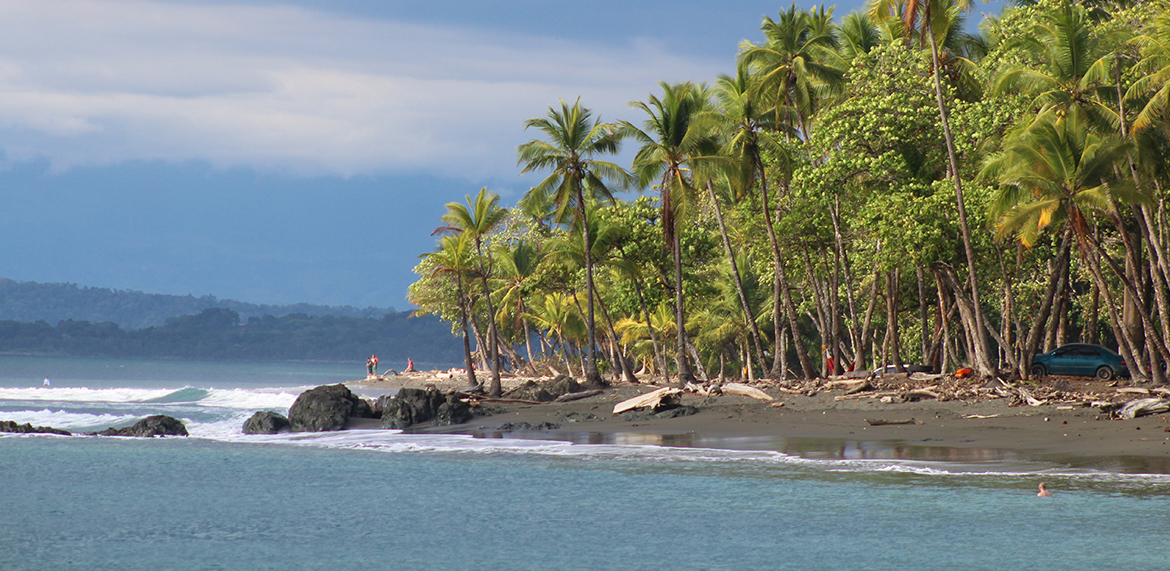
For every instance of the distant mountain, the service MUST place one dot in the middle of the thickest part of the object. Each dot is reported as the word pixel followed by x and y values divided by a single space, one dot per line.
pixel 28 302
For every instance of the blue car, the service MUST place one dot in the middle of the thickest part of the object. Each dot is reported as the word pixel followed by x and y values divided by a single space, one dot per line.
pixel 1080 359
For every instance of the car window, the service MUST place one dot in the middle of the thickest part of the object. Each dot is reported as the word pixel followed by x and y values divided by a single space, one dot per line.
pixel 1064 351
pixel 1088 352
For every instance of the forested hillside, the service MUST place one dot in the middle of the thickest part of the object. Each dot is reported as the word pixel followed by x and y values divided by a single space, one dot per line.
pixel 218 333
pixel 53 302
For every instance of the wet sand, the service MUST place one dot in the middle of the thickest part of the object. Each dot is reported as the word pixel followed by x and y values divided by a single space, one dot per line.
pixel 821 426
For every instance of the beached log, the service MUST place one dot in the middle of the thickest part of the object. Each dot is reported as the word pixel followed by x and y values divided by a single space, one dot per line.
pixel 568 397
pixel 1143 407
pixel 1031 400
pixel 1133 391
pixel 651 400
pixel 702 390
pixel 849 385
pixel 747 391
pixel 980 416
pixel 479 397
pixel 922 393
pixel 881 422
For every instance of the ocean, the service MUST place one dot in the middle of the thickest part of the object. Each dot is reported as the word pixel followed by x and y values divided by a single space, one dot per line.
pixel 386 499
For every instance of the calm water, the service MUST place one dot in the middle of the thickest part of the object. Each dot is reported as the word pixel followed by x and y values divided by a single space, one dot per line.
pixel 389 500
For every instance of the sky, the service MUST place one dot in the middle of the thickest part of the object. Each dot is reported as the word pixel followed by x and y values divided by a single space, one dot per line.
pixel 300 150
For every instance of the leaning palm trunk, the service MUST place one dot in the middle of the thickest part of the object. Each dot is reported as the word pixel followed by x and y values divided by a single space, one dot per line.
pixel 753 329
pixel 660 359
pixel 591 374
pixel 467 361
pixel 782 300
pixel 981 359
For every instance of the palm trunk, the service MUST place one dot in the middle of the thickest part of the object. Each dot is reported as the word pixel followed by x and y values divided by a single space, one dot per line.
pixel 467 361
pixel 982 363
pixel 592 376
pixel 660 358
pixel 753 329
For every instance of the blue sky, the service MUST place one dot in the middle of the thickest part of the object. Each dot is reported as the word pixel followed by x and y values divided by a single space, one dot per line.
pixel 280 152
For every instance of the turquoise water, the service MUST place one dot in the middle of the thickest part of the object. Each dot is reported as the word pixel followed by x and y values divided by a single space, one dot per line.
pixel 390 500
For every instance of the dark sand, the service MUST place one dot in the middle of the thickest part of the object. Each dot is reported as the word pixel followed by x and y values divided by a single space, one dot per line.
pixel 820 426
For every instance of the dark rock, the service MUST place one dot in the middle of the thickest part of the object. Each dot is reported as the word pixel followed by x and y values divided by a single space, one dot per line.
pixel 414 406
pixel 28 428
pixel 513 426
pixel 544 392
pixel 157 425
pixel 266 422
pixel 326 408
pixel 646 414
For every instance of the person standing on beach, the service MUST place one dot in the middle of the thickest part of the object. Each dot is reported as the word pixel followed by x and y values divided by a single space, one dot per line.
pixel 374 359
pixel 1044 493
pixel 370 367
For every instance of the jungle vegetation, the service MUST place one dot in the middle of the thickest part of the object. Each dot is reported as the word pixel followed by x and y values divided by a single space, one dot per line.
pixel 880 189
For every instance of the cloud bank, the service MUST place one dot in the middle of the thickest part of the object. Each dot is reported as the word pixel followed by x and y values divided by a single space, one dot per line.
pixel 101 82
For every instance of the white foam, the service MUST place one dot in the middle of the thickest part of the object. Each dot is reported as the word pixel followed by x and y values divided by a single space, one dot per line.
pixel 71 421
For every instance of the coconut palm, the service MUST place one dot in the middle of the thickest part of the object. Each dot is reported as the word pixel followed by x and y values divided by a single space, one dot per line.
pixel 1155 50
pixel 1058 172
pixel 671 148
pixel 1076 68
pixel 794 63
pixel 556 314
pixel 518 264
pixel 478 218
pixel 574 138
pixel 454 257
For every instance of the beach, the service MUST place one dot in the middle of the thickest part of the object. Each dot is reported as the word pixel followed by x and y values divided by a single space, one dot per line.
pixel 830 424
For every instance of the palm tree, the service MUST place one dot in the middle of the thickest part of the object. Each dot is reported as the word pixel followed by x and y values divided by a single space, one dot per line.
pixel 1059 172
pixel 518 264
pixel 672 147
pixel 740 124
pixel 795 62
pixel 454 257
pixel 931 20
pixel 1076 73
pixel 574 138
pixel 1155 49
pixel 557 315
pixel 478 218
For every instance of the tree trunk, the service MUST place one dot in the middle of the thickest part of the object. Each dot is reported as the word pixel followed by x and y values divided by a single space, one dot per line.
pixel 982 363
pixel 753 329
pixel 468 363
pixel 593 378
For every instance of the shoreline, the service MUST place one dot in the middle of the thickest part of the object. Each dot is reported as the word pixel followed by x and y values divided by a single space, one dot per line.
pixel 823 426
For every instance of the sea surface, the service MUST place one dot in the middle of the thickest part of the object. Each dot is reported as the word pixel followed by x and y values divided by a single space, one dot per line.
pixel 383 499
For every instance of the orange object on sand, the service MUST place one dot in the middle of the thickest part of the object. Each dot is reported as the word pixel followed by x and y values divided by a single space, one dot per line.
pixel 963 373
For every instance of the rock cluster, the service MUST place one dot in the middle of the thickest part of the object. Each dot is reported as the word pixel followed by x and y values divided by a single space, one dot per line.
pixel 326 408
pixel 413 406
pixel 266 422
pixel 157 425
pixel 544 392
pixel 28 428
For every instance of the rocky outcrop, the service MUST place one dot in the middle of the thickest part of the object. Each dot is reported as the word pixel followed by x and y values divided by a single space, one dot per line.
pixel 266 422
pixel 28 428
pixel 157 425
pixel 544 392
pixel 414 406
pixel 326 408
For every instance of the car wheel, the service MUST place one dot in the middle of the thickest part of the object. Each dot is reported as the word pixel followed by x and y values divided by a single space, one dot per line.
pixel 1039 371
pixel 1104 373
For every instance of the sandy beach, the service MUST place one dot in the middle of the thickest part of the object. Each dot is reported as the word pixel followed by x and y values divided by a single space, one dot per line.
pixel 825 422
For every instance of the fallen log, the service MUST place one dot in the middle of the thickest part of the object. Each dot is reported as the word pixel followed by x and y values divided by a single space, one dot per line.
pixel 880 422
pixel 922 393
pixel 747 391
pixel 651 400
pixel 480 397
pixel 569 397
pixel 1143 407
pixel 1133 391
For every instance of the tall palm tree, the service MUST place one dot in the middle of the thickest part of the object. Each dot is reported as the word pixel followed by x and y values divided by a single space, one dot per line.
pixel 1076 68
pixel 1155 49
pixel 931 20
pixel 574 138
pixel 739 121
pixel 454 257
pixel 671 148
pixel 794 63
pixel 478 218
pixel 518 264
pixel 1059 172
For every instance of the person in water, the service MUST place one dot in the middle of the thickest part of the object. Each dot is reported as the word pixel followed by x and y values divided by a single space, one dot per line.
pixel 1044 493
pixel 47 383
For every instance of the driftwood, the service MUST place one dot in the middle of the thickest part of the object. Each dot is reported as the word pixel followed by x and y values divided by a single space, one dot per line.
pixel 747 391
pixel 1031 400
pixel 1142 407
pixel 880 422
pixel 926 392
pixel 702 390
pixel 651 400
pixel 980 415
pixel 569 397
pixel 480 397
pixel 1133 391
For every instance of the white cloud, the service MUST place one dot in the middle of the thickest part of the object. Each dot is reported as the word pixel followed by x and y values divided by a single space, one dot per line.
pixel 93 82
